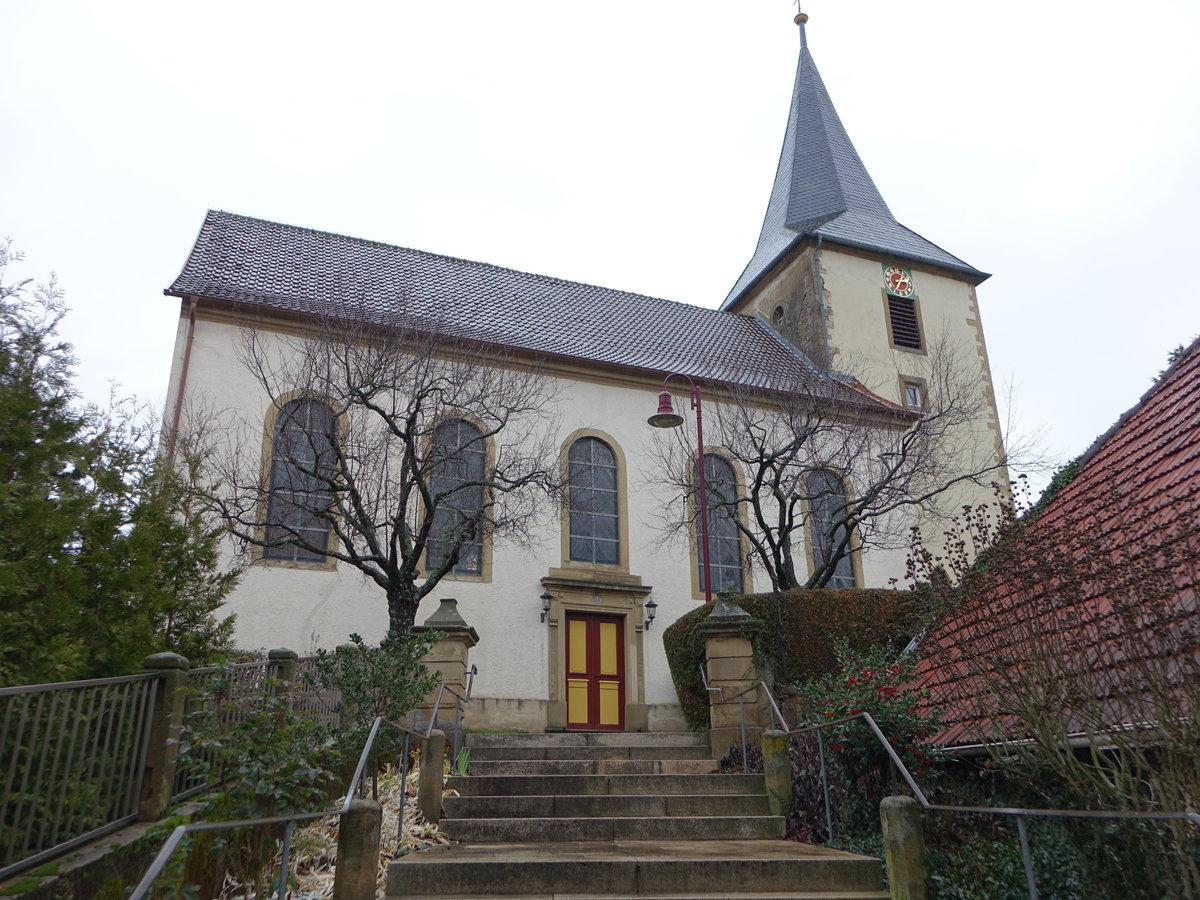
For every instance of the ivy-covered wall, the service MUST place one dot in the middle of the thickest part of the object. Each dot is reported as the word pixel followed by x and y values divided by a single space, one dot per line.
pixel 796 641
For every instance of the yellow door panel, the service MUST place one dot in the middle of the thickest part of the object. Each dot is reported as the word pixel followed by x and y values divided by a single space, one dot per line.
pixel 577 701
pixel 577 639
pixel 608 648
pixel 610 699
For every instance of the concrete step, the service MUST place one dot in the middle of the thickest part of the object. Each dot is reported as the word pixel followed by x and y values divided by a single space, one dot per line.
pixel 591 739
pixel 561 785
pixel 631 869
pixel 547 767
pixel 626 828
pixel 589 752
pixel 753 895
pixel 580 805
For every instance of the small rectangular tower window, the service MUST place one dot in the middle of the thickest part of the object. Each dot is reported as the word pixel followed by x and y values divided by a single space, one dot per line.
pixel 912 393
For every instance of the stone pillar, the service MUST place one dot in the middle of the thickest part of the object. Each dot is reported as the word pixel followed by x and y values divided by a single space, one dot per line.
pixel 345 713
pixel 777 770
pixel 730 667
pixel 903 847
pixel 358 851
pixel 284 671
pixel 166 728
pixel 449 657
pixel 429 781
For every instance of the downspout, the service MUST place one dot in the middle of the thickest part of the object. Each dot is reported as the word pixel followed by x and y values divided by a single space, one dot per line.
pixel 187 358
pixel 828 360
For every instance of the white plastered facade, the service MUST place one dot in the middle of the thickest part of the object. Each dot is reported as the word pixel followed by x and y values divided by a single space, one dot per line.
pixel 520 658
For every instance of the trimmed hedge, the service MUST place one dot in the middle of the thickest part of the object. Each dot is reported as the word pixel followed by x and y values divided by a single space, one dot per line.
pixel 810 621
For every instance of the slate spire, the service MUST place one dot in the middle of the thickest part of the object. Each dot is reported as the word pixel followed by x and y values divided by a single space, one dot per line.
pixel 823 189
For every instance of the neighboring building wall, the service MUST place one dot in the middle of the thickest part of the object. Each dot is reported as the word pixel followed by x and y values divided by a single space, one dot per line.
pixel 308 605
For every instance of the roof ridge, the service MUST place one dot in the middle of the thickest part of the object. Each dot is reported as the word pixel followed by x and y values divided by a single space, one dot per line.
pixel 1164 381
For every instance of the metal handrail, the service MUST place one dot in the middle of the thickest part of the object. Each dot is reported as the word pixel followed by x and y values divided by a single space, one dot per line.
pixel 740 698
pixel 1019 812
pixel 461 701
pixel 355 787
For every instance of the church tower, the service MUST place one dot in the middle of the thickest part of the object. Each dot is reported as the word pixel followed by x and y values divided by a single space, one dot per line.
pixel 859 293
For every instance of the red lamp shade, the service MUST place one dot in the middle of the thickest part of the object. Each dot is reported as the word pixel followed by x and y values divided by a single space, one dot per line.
pixel 666 417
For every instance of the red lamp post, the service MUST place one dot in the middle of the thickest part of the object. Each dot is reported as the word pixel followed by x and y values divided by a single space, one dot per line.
pixel 666 417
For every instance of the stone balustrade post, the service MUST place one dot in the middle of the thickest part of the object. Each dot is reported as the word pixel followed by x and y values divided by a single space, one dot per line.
pixel 727 634
pixel 429 780
pixel 284 672
pixel 777 772
pixel 358 851
pixel 450 657
pixel 166 729
pixel 903 847
pixel 345 715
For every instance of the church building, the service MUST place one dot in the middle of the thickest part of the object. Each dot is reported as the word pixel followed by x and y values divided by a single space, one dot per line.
pixel 567 530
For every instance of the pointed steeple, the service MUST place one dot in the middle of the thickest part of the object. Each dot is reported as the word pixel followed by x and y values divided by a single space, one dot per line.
pixel 823 189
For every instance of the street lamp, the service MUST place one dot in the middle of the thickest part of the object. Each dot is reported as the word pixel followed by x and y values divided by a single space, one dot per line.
pixel 666 417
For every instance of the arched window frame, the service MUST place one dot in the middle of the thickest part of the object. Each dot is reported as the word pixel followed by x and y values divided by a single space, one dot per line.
pixel 743 549
pixel 476 566
pixel 282 413
pixel 622 509
pixel 847 574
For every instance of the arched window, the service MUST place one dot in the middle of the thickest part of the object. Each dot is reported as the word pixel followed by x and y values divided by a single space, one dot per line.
pixel 724 539
pixel 826 511
pixel 302 457
pixel 456 474
pixel 592 502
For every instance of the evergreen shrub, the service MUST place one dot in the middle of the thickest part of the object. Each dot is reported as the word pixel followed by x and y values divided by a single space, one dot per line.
pixel 798 636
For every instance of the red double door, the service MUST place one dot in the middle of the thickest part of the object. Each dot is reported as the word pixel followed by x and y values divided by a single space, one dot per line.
pixel 595 672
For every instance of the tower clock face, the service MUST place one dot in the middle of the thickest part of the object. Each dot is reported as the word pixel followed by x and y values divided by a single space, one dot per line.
pixel 898 281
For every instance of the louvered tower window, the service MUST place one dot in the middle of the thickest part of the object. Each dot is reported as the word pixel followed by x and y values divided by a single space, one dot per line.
pixel 906 328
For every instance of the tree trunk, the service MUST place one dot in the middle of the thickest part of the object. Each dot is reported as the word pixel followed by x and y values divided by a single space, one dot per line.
pixel 402 601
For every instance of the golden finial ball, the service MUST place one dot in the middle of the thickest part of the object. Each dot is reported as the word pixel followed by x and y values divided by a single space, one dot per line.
pixel 801 18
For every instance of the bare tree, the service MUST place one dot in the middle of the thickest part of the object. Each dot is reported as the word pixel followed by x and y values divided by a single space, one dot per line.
pixel 397 450
pixel 823 462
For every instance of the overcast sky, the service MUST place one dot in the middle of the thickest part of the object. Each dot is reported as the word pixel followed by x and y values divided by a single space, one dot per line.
pixel 629 143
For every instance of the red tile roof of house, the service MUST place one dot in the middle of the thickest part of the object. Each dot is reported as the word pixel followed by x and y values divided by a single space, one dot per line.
pixel 1130 519
pixel 251 261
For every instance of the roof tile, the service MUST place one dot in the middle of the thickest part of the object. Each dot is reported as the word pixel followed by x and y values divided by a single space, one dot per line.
pixel 251 261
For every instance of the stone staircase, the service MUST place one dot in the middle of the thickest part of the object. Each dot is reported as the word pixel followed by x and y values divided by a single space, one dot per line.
pixel 618 815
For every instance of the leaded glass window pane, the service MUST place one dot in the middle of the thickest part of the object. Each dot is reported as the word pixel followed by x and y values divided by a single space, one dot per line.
pixel 458 458
pixel 592 502
pixel 827 506
pixel 724 539
pixel 302 457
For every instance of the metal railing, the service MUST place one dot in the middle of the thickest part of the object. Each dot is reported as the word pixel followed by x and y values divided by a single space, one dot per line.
pixel 309 701
pixel 234 689
pixel 461 700
pixel 72 756
pixel 1019 813
pixel 356 787
pixel 740 697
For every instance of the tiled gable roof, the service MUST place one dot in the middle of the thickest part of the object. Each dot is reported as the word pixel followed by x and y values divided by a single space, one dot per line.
pixel 1131 517
pixel 251 261
pixel 823 189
